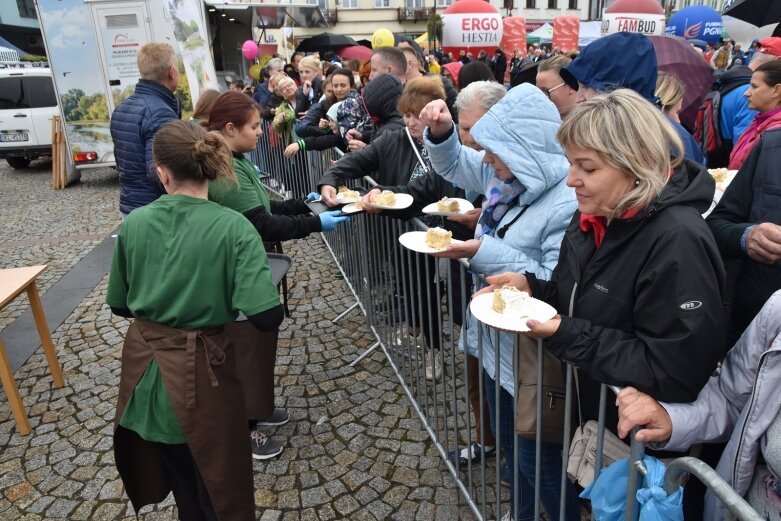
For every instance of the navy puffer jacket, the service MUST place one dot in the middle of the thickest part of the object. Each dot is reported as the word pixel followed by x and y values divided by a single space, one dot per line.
pixel 133 125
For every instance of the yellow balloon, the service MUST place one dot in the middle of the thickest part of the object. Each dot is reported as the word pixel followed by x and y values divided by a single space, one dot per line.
pixel 263 60
pixel 254 71
pixel 383 38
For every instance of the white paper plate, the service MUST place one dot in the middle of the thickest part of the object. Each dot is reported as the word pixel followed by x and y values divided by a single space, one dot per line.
pixel 402 201
pixel 416 241
pixel 340 198
pixel 482 308
pixel 351 208
pixel 463 207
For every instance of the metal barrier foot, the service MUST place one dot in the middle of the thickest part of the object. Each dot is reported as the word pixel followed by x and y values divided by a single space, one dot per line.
pixel 344 314
pixel 366 353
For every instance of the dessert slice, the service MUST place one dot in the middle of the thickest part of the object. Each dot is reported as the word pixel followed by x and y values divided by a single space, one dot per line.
pixel 447 205
pixel 509 300
pixel 438 238
pixel 385 198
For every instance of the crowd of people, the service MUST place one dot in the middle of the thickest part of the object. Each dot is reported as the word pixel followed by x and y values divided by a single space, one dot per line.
pixel 589 194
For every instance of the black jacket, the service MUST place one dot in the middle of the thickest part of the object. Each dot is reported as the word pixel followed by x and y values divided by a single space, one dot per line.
pixel 381 96
pixel 389 159
pixel 303 102
pixel 753 197
pixel 290 219
pixel 647 302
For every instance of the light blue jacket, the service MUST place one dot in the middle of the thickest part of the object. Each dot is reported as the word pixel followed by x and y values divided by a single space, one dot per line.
pixel 737 404
pixel 521 130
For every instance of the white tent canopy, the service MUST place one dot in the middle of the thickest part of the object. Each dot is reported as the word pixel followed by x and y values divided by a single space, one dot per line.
pixel 8 55
pixel 544 33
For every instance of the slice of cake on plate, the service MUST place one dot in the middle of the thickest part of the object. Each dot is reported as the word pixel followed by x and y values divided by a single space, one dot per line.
pixel 385 198
pixel 438 238
pixel 509 300
pixel 447 205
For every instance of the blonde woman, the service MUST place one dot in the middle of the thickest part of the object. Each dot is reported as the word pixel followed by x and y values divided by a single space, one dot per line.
pixel 639 276
pixel 670 93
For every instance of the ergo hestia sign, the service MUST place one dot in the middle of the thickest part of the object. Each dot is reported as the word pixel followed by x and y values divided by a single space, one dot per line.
pixel 471 29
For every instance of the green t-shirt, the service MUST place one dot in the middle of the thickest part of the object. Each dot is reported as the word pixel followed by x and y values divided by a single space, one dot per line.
pixel 247 195
pixel 185 263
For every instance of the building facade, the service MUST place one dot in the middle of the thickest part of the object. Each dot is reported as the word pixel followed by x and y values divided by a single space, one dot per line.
pixel 19 25
pixel 360 18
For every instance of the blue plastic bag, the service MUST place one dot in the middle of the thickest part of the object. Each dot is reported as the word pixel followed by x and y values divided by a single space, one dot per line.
pixel 656 505
pixel 608 494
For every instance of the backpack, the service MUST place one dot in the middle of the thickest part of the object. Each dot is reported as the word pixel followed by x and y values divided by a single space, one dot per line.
pixel 707 125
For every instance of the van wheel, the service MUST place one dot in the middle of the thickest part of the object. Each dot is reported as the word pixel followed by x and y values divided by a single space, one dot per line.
pixel 18 162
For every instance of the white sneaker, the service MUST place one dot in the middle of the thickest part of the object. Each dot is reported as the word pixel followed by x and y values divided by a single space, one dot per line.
pixel 507 517
pixel 433 365
pixel 402 337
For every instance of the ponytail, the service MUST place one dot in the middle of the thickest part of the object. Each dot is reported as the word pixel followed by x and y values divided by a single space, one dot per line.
pixel 191 153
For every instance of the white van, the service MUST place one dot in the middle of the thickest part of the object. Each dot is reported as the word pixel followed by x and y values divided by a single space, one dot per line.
pixel 27 104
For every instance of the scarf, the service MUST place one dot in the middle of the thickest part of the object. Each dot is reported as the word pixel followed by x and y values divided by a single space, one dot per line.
pixel 501 197
pixel 750 137
pixel 599 224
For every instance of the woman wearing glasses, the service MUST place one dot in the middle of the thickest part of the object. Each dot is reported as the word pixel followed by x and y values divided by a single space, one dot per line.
pixel 550 83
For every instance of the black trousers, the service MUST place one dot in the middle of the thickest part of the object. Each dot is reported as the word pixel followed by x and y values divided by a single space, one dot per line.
pixel 192 498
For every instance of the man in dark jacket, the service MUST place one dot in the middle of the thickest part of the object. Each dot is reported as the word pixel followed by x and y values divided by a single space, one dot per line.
pixel 747 226
pixel 136 120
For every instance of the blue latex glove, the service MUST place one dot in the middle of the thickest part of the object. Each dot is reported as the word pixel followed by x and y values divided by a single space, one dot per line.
pixel 330 220
pixel 312 196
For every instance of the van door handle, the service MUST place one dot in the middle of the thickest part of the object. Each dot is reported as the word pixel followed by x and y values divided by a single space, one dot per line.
pixel 20 115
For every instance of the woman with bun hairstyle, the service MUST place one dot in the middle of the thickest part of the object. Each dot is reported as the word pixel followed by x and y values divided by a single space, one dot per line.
pixel 183 268
pixel 237 118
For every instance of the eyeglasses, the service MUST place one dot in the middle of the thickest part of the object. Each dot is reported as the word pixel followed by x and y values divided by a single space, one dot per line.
pixel 548 91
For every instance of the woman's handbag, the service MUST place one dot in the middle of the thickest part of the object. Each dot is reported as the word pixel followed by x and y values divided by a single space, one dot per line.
pixel 526 395
pixel 582 461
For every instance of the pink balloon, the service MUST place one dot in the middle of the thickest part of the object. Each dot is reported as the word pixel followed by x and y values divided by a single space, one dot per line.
pixel 249 49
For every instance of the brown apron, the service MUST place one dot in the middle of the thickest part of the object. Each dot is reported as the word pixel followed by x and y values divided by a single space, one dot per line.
pixel 199 374
pixel 256 355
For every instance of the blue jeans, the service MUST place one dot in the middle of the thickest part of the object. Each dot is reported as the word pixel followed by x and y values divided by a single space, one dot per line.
pixel 550 480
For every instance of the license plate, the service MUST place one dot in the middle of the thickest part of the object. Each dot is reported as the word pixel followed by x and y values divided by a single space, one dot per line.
pixel 14 137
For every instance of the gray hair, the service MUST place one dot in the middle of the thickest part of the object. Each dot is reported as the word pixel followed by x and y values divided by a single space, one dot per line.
pixel 480 95
pixel 275 63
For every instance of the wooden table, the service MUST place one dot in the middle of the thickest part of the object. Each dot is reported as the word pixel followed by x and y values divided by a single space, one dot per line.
pixel 12 283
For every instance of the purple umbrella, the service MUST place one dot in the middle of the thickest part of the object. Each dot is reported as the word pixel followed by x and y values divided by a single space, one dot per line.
pixel 676 57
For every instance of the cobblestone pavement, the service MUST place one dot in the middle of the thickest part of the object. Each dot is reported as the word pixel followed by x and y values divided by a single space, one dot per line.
pixel 353 450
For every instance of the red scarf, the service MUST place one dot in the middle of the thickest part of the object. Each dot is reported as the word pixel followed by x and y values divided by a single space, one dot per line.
pixel 599 224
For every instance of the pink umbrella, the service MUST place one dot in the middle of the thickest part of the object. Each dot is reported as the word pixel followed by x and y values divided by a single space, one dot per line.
pixel 675 56
pixel 355 52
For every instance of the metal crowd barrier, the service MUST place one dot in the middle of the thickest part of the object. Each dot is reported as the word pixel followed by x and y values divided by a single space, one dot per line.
pixel 396 289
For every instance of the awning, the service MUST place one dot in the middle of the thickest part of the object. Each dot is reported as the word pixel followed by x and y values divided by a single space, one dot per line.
pixel 272 16
pixel 8 55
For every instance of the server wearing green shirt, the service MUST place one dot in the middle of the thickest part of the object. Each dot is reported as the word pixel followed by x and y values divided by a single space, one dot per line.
pixel 184 267
pixel 237 118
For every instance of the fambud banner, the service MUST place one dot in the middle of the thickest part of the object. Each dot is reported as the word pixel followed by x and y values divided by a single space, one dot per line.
pixel 633 23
